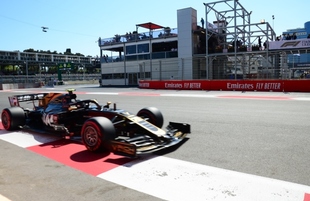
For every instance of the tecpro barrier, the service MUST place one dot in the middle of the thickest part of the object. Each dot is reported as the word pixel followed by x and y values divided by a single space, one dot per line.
pixel 229 85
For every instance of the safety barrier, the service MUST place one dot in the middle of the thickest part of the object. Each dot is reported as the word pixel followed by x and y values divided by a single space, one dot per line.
pixel 302 85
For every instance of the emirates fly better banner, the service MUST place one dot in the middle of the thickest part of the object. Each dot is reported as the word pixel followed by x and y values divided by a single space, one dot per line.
pixel 230 85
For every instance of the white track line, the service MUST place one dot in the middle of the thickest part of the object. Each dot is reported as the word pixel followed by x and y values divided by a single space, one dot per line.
pixel 24 139
pixel 172 179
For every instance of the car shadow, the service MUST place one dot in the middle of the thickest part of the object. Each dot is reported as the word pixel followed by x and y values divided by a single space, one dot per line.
pixel 3 132
pixel 88 156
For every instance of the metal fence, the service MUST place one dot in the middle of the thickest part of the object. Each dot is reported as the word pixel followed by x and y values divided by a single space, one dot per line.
pixel 239 66
pixel 249 65
pixel 45 78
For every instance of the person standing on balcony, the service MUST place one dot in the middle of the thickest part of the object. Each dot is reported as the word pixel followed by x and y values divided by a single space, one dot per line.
pixel 202 22
pixel 259 43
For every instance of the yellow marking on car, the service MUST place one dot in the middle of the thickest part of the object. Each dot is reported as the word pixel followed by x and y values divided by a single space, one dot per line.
pixel 146 125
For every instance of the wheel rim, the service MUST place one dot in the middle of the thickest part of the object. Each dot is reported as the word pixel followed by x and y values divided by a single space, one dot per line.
pixel 5 120
pixel 90 136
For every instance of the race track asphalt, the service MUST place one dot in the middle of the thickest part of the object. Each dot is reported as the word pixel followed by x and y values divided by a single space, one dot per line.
pixel 263 134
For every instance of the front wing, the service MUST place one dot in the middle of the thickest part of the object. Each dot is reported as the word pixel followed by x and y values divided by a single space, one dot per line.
pixel 144 144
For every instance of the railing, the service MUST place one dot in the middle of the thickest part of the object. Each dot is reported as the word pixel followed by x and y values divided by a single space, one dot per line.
pixel 133 37
pixel 139 57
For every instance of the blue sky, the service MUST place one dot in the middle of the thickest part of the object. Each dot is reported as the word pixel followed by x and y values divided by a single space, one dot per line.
pixel 78 24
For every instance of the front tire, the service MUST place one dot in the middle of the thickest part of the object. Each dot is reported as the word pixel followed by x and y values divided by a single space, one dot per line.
pixel 153 115
pixel 13 118
pixel 96 133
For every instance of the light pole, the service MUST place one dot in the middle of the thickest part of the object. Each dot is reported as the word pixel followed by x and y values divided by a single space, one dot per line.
pixel 40 72
pixel 273 22
pixel 26 63
pixel 83 72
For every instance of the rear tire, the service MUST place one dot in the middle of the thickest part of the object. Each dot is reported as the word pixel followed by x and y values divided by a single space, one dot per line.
pixel 96 133
pixel 153 115
pixel 13 118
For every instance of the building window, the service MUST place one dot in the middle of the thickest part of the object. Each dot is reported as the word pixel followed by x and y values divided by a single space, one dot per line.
pixel 131 49
pixel 143 48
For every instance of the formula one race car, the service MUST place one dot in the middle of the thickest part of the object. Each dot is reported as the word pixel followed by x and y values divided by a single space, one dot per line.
pixel 100 127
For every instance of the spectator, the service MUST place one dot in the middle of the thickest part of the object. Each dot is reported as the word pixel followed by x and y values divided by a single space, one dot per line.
pixel 239 43
pixel 259 43
pixel 100 82
pixel 202 22
pixel 265 45
pixel 130 36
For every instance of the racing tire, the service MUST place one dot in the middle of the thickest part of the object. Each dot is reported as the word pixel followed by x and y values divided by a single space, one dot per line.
pixel 13 118
pixel 96 133
pixel 153 115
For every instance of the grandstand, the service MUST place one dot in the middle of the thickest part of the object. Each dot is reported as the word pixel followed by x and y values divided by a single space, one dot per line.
pixel 229 47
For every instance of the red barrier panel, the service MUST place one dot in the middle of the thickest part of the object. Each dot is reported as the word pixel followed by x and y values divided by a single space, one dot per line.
pixel 230 85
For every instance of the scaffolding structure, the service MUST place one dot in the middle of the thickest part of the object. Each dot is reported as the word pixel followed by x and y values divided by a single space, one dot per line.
pixel 235 44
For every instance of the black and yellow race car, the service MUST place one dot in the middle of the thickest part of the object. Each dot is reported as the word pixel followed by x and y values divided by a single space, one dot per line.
pixel 99 127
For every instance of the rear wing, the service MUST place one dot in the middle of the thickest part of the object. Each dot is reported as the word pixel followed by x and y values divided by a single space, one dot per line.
pixel 42 98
